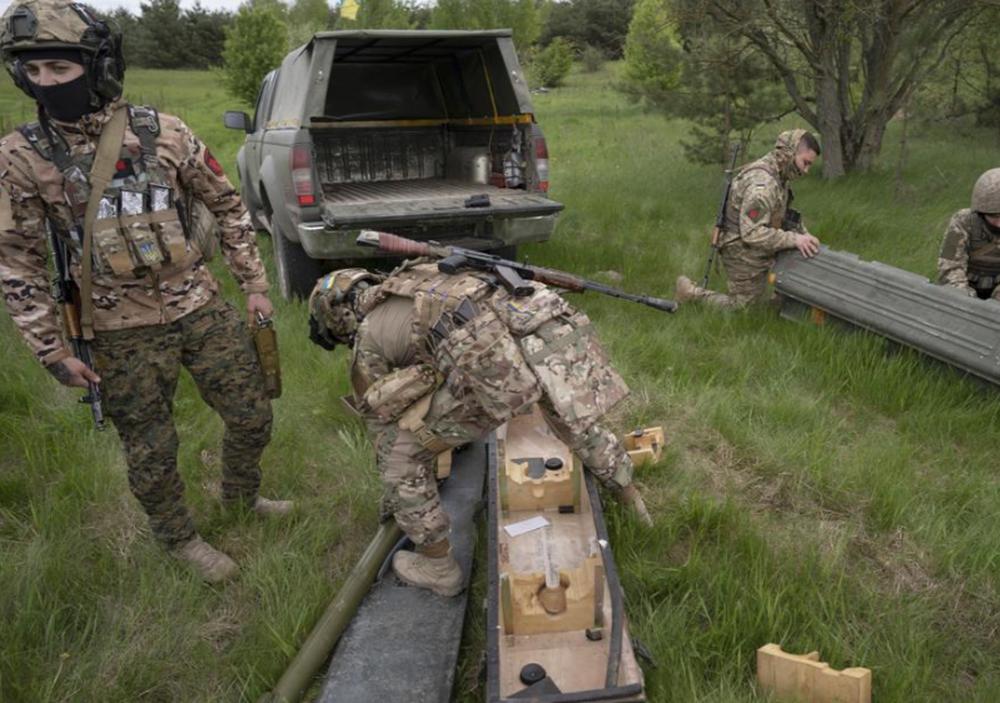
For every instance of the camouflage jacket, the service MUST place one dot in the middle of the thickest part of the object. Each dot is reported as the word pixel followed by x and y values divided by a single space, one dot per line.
pixel 556 341
pixel 31 192
pixel 759 198
pixel 970 254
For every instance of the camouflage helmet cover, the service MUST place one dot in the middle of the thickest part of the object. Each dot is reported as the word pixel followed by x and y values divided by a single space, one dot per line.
pixel 331 310
pixel 986 193
pixel 48 24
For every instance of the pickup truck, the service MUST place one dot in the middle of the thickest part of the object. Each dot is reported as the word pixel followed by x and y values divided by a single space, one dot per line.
pixel 427 134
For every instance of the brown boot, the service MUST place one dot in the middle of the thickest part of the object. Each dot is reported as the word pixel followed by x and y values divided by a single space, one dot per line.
pixel 432 567
pixel 211 564
pixel 685 290
pixel 272 508
pixel 630 496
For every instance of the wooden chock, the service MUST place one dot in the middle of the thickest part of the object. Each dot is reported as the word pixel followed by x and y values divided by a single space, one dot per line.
pixel 804 679
pixel 644 445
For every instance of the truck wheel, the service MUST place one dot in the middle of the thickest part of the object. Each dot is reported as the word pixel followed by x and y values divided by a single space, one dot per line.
pixel 297 272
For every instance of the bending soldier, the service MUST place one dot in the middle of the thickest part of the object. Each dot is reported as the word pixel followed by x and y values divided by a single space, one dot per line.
pixel 148 302
pixel 970 252
pixel 440 360
pixel 759 222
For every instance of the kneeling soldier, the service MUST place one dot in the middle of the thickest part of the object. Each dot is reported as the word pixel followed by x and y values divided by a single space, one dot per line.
pixel 440 360
pixel 107 179
pixel 970 252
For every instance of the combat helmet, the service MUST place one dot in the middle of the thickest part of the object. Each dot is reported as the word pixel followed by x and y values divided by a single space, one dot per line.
pixel 986 194
pixel 31 25
pixel 333 318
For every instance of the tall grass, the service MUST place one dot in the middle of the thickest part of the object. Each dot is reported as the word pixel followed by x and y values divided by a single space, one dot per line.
pixel 816 491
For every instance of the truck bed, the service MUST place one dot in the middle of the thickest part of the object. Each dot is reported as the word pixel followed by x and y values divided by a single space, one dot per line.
pixel 365 203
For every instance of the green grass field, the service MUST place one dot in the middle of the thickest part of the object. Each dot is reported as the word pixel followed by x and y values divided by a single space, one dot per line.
pixel 816 491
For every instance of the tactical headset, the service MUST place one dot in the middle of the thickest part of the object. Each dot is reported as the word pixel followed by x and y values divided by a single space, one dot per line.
pixel 100 48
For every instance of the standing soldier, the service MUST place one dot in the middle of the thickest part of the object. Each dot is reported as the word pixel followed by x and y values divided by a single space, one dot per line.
pixel 440 360
pixel 970 252
pixel 759 222
pixel 107 181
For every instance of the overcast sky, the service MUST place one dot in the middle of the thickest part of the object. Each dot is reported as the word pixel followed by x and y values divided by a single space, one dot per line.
pixel 133 5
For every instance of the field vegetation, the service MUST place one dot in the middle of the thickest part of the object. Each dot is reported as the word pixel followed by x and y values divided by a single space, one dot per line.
pixel 816 491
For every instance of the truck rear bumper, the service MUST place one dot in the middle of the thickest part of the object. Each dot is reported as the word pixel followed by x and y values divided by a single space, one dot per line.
pixel 320 241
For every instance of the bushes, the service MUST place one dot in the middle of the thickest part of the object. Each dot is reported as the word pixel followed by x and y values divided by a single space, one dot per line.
pixel 256 42
pixel 592 59
pixel 552 64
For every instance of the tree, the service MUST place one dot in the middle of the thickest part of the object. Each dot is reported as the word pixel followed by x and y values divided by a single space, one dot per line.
pixel 552 64
pixel 161 36
pixel 382 14
pixel 206 36
pixel 599 23
pixel 520 15
pixel 256 42
pixel 847 65
pixel 693 71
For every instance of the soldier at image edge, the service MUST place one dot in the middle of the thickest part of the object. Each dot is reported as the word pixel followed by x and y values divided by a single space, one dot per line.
pixel 970 251
pixel 149 304
pixel 759 223
pixel 440 360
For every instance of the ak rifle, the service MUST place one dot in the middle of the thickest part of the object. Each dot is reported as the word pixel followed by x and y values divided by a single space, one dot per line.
pixel 68 297
pixel 720 218
pixel 512 275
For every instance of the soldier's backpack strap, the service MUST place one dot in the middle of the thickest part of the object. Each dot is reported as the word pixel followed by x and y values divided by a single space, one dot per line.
pixel 145 124
pixel 103 170
pixel 48 144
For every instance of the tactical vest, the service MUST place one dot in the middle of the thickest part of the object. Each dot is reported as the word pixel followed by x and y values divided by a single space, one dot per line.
pixel 984 255
pixel 140 225
pixel 433 294
pixel 731 223
pixel 556 341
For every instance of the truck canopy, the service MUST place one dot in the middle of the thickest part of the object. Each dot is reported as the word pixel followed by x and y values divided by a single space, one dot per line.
pixel 391 75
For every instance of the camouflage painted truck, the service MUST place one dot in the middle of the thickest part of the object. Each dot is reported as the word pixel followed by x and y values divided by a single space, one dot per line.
pixel 428 134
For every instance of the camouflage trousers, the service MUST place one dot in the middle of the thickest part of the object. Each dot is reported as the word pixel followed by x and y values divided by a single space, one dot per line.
pixel 409 471
pixel 747 271
pixel 139 370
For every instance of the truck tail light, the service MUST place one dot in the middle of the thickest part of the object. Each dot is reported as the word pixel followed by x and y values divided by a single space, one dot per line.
pixel 541 160
pixel 302 174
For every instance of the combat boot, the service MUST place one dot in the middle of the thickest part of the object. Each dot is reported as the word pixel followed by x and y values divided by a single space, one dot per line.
pixel 630 496
pixel 212 565
pixel 272 508
pixel 433 568
pixel 685 290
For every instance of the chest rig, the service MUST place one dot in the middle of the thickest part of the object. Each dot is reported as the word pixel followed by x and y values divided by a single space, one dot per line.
pixel 139 225
pixel 433 294
pixel 984 255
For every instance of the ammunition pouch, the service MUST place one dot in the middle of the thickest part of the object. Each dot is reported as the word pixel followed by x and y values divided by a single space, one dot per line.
pixel 575 371
pixel 523 315
pixel 484 368
pixel 265 341
pixel 390 396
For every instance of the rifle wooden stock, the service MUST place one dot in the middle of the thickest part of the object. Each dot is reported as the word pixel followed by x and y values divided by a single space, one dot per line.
pixel 559 280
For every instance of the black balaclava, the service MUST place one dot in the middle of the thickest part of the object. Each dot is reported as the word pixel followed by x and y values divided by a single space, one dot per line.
pixel 66 102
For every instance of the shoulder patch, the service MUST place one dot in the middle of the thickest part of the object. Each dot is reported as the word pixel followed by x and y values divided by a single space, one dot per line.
pixel 213 163
pixel 756 211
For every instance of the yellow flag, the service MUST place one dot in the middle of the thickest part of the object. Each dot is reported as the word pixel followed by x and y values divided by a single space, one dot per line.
pixel 349 9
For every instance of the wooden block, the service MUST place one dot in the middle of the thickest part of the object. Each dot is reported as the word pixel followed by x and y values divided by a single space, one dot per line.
pixel 645 445
pixel 530 617
pixel 805 679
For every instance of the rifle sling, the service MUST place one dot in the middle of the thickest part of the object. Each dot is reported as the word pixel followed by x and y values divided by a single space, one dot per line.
pixel 108 150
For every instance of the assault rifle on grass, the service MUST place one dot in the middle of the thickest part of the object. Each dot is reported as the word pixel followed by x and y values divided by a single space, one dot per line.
pixel 68 297
pixel 720 218
pixel 511 275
